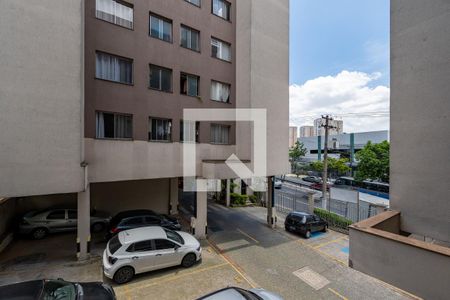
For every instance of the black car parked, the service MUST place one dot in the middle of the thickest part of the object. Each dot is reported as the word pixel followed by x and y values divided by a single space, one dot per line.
pixel 57 289
pixel 140 218
pixel 304 223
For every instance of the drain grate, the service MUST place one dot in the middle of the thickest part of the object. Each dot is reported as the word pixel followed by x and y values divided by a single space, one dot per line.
pixel 313 279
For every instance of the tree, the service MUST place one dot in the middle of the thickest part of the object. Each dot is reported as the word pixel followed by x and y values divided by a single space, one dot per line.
pixel 295 153
pixel 373 162
pixel 337 166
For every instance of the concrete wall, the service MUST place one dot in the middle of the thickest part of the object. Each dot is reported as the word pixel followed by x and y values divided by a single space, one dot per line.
pixel 262 78
pixel 126 195
pixel 416 270
pixel 420 111
pixel 40 97
pixel 133 160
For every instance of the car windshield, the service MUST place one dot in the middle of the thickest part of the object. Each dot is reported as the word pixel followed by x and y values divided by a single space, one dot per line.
pixel 57 289
pixel 172 235
pixel 114 244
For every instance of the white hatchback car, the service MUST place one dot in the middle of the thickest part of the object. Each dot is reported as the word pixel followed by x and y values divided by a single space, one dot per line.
pixel 146 249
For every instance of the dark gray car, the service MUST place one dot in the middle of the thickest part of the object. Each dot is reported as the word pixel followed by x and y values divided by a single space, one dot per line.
pixel 40 223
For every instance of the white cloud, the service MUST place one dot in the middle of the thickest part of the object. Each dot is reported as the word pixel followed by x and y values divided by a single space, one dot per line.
pixel 347 92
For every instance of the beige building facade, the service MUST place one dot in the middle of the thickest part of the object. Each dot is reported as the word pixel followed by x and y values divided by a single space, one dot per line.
pixel 306 131
pixel 293 135
pixel 107 134
pixel 410 246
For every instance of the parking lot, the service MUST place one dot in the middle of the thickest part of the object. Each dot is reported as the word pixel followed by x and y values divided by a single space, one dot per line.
pixel 240 251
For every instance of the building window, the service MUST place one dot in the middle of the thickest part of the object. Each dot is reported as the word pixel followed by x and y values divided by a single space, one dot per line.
pixel 190 38
pixel 189 84
pixel 189 131
pixel 160 28
pixel 195 2
pixel 220 134
pixel 115 11
pixel 160 78
pixel 220 91
pixel 113 126
pixel 220 49
pixel 114 68
pixel 160 130
pixel 221 8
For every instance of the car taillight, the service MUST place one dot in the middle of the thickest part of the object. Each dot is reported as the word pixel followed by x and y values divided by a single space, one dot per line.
pixel 115 230
pixel 112 260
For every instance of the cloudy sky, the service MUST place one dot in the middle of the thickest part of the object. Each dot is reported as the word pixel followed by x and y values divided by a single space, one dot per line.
pixel 340 62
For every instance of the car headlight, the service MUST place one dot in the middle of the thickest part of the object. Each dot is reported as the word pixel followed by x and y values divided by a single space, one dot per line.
pixel 199 248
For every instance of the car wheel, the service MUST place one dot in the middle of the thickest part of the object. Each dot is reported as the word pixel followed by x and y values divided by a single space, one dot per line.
pixel 123 275
pixel 97 227
pixel 39 233
pixel 308 234
pixel 189 260
pixel 286 228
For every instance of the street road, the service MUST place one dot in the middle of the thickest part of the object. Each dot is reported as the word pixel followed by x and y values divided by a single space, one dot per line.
pixel 269 258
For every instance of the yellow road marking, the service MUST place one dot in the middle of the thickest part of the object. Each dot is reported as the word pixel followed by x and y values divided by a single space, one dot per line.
pixel 127 293
pixel 337 294
pixel 247 235
pixel 169 277
pixel 399 290
pixel 231 263
pixel 329 242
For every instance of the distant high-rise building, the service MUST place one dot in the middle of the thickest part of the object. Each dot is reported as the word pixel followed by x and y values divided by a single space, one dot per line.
pixel 293 135
pixel 306 131
pixel 319 130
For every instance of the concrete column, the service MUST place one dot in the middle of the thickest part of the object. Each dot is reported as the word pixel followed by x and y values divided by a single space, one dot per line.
pixel 201 217
pixel 249 191
pixel 271 211
pixel 84 224
pixel 227 200
pixel 311 203
pixel 237 187
pixel 173 196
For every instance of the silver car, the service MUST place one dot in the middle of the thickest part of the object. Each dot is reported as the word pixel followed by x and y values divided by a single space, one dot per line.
pixel 146 249
pixel 40 223
pixel 235 293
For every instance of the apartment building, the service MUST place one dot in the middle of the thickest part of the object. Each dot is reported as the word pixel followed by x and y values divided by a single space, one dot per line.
pixel 306 131
pixel 409 246
pixel 337 127
pixel 293 135
pixel 100 121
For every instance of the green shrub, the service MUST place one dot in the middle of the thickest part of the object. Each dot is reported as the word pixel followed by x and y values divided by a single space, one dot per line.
pixel 238 199
pixel 333 219
pixel 253 198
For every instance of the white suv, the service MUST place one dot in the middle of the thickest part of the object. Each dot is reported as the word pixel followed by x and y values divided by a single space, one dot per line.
pixel 146 249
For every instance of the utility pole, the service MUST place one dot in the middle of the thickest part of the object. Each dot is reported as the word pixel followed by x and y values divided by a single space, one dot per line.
pixel 327 126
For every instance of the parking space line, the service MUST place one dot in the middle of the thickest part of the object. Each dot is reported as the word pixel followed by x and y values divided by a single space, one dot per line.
pixel 337 294
pixel 127 293
pixel 329 242
pixel 170 277
pixel 247 235
pixel 231 263
pixel 311 247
